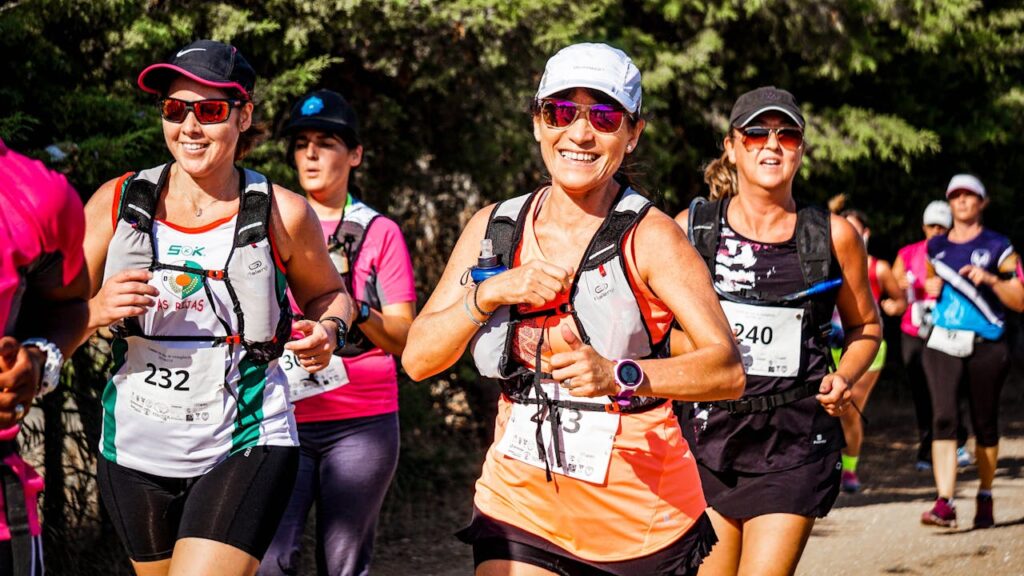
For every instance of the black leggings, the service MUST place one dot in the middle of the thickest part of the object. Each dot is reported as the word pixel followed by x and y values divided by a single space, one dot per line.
pixel 911 348
pixel 983 372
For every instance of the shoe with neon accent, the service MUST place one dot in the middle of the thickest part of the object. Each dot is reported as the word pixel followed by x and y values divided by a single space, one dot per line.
pixel 849 482
pixel 963 457
pixel 942 514
pixel 983 517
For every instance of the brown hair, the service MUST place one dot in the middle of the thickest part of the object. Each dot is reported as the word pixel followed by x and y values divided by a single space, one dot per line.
pixel 250 139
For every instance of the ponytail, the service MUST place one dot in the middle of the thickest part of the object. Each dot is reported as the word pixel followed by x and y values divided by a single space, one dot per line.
pixel 720 176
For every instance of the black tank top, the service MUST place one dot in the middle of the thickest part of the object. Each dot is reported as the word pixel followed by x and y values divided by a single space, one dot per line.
pixel 788 436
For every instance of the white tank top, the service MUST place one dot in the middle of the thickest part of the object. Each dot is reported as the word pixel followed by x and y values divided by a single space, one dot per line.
pixel 175 404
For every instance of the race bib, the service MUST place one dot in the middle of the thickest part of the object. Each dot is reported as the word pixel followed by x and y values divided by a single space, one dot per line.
pixel 586 437
pixel 184 385
pixel 958 343
pixel 302 384
pixel 769 338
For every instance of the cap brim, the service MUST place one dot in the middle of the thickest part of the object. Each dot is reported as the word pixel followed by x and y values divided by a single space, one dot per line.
pixel 794 117
pixel 156 78
pixel 977 193
pixel 630 107
pixel 321 125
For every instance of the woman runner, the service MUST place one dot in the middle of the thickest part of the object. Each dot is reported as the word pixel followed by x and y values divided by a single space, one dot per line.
pixel 769 462
pixel 189 263
pixel 588 473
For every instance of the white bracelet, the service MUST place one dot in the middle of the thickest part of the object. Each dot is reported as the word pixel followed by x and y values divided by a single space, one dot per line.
pixel 469 313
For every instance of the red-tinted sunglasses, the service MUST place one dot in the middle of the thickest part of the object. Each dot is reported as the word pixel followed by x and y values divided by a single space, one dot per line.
pixel 560 114
pixel 210 111
pixel 756 137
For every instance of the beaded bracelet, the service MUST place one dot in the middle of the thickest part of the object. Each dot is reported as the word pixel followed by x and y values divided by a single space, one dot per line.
pixel 476 288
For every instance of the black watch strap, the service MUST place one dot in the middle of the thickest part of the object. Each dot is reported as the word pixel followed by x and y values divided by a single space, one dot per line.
pixel 341 332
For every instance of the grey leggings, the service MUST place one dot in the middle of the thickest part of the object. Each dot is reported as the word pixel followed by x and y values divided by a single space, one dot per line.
pixel 983 372
pixel 345 466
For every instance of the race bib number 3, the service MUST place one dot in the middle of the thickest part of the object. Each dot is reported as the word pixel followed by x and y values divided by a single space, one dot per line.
pixel 183 385
pixel 586 437
pixel 302 384
pixel 957 343
pixel 769 337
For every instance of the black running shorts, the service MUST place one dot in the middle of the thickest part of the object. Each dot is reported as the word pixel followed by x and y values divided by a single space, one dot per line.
pixel 239 502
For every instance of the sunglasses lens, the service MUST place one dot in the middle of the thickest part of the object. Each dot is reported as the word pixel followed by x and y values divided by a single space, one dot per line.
pixel 558 114
pixel 173 110
pixel 605 118
pixel 790 139
pixel 211 111
pixel 755 138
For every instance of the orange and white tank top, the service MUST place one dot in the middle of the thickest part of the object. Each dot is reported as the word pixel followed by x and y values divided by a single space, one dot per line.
pixel 651 495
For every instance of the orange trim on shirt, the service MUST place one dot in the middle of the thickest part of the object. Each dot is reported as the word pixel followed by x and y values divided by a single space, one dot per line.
pixel 115 208
pixel 198 229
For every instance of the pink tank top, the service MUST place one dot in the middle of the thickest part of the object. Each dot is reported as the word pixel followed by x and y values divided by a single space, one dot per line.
pixel 915 257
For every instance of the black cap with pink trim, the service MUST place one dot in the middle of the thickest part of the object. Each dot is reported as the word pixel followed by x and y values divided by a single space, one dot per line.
pixel 206 61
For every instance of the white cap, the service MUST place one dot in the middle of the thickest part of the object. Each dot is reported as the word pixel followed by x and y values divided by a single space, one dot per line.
pixel 966 182
pixel 937 212
pixel 597 66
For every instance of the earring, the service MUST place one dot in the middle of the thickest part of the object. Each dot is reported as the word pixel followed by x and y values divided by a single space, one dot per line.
pixel 629 147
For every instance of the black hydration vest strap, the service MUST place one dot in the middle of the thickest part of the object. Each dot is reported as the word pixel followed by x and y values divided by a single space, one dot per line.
pixel 17 514
pixel 767 402
pixel 505 234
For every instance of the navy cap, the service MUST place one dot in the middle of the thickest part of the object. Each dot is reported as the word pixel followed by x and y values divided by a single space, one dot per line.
pixel 327 111
pixel 752 104
pixel 208 62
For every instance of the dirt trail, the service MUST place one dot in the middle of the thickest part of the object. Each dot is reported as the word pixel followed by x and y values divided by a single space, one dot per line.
pixel 874 532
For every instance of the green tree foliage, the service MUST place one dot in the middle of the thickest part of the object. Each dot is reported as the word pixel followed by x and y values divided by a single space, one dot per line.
pixel 899 94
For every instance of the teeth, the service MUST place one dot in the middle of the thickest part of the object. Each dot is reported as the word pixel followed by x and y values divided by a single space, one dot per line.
pixel 579 156
pixel 194 147
pixel 772 162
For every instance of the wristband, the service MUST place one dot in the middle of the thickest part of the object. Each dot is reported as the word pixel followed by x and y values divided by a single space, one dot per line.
pixel 469 313
pixel 476 288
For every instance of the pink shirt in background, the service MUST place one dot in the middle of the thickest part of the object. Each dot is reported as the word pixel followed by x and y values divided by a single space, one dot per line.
pixel 373 377
pixel 42 227
pixel 915 258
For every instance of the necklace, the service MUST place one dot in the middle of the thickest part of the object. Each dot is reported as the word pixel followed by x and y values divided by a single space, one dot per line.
pixel 197 209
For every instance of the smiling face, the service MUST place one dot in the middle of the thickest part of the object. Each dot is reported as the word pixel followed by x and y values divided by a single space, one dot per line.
pixel 203 149
pixel 579 158
pixel 772 167
pixel 324 163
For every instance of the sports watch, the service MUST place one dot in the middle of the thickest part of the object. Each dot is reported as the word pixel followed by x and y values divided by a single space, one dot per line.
pixel 50 375
pixel 364 313
pixel 629 376
pixel 340 333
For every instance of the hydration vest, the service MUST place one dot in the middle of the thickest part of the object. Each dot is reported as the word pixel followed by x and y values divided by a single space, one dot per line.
pixel 258 301
pixel 813 245
pixel 602 303
pixel 344 246
pixel 814 249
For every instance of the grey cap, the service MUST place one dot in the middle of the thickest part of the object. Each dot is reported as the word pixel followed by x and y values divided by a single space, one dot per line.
pixel 752 104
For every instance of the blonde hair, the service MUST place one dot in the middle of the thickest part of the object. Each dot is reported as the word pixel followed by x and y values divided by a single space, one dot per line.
pixel 837 203
pixel 720 176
